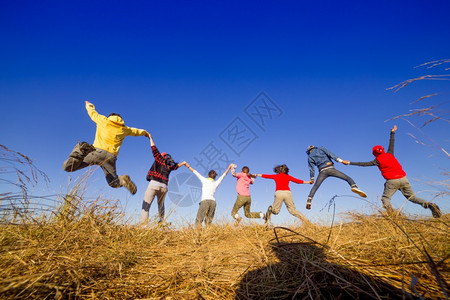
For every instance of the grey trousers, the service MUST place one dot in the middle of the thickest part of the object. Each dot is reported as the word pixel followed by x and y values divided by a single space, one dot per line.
pixel 402 184
pixel 286 197
pixel 206 211
pixel 158 190
pixel 329 172
pixel 100 157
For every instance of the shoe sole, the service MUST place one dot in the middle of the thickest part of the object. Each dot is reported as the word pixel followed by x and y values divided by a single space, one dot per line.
pixel 359 192
pixel 268 214
pixel 308 205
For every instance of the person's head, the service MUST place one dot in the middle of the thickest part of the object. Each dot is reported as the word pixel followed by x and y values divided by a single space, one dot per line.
pixel 168 158
pixel 212 174
pixel 310 147
pixel 377 150
pixel 245 170
pixel 281 169
pixel 114 114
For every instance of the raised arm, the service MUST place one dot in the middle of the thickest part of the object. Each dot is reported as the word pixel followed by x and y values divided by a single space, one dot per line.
pixel 233 170
pixel 152 143
pixel 93 114
pixel 392 140
pixel 218 181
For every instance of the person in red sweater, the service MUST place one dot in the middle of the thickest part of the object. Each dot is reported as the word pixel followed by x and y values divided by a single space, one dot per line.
pixel 283 193
pixel 395 177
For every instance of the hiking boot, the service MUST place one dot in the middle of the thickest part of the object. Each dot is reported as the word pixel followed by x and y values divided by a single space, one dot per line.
pixel 86 148
pixel 267 215
pixel 356 190
pixel 308 203
pixel 435 211
pixel 262 215
pixel 125 181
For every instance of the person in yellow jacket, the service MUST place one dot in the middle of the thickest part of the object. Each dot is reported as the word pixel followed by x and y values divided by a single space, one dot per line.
pixel 109 136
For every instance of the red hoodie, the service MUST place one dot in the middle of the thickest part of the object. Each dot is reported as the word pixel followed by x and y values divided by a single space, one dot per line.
pixel 389 166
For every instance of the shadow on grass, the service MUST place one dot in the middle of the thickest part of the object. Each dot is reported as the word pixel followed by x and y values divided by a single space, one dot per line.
pixel 303 272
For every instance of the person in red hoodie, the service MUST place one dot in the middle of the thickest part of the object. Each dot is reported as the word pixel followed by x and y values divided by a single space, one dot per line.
pixel 283 193
pixel 395 177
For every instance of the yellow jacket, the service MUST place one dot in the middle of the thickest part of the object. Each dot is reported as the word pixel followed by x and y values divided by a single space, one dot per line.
pixel 110 131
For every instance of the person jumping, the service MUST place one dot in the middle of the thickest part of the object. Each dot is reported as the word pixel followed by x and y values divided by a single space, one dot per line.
pixel 323 158
pixel 395 177
pixel 110 133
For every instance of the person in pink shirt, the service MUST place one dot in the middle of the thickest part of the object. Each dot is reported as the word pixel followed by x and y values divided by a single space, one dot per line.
pixel 283 193
pixel 244 179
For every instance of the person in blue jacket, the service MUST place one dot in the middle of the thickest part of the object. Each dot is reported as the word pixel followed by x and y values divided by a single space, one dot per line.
pixel 323 158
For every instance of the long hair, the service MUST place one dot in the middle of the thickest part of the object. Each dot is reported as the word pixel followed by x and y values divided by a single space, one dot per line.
pixel 281 169
pixel 246 170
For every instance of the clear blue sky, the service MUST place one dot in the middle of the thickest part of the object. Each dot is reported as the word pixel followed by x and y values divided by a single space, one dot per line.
pixel 187 71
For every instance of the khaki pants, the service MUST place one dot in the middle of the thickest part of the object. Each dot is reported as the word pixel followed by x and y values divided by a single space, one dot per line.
pixel 402 184
pixel 286 197
pixel 206 211
pixel 244 201
pixel 158 190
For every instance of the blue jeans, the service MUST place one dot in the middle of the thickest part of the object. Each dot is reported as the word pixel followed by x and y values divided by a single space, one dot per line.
pixel 324 174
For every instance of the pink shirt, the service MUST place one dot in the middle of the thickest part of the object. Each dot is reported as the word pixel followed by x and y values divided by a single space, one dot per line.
pixel 243 183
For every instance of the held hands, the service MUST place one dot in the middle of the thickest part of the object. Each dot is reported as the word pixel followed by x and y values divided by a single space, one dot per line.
pixel 394 129
pixel 309 182
pixel 346 162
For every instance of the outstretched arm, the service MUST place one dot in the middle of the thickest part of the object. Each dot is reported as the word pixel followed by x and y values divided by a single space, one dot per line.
pixel 182 164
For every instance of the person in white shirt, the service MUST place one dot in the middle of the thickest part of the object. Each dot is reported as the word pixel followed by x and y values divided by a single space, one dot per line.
pixel 207 206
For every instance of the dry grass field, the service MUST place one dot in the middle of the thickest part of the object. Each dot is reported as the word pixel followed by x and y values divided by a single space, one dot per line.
pixel 78 248
pixel 80 252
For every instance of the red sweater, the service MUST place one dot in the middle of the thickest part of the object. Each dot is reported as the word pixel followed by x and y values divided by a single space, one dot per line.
pixel 389 166
pixel 282 181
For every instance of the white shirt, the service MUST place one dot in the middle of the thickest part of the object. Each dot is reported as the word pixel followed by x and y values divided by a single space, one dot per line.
pixel 209 186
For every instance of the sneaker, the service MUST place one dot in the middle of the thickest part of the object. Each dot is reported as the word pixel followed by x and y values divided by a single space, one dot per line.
pixel 435 211
pixel 268 214
pixel 356 190
pixel 308 203
pixel 125 181
pixel 262 215
pixel 238 219
pixel 86 148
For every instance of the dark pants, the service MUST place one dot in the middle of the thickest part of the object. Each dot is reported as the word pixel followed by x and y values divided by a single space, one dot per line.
pixel 329 172
pixel 206 211
pixel 102 158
